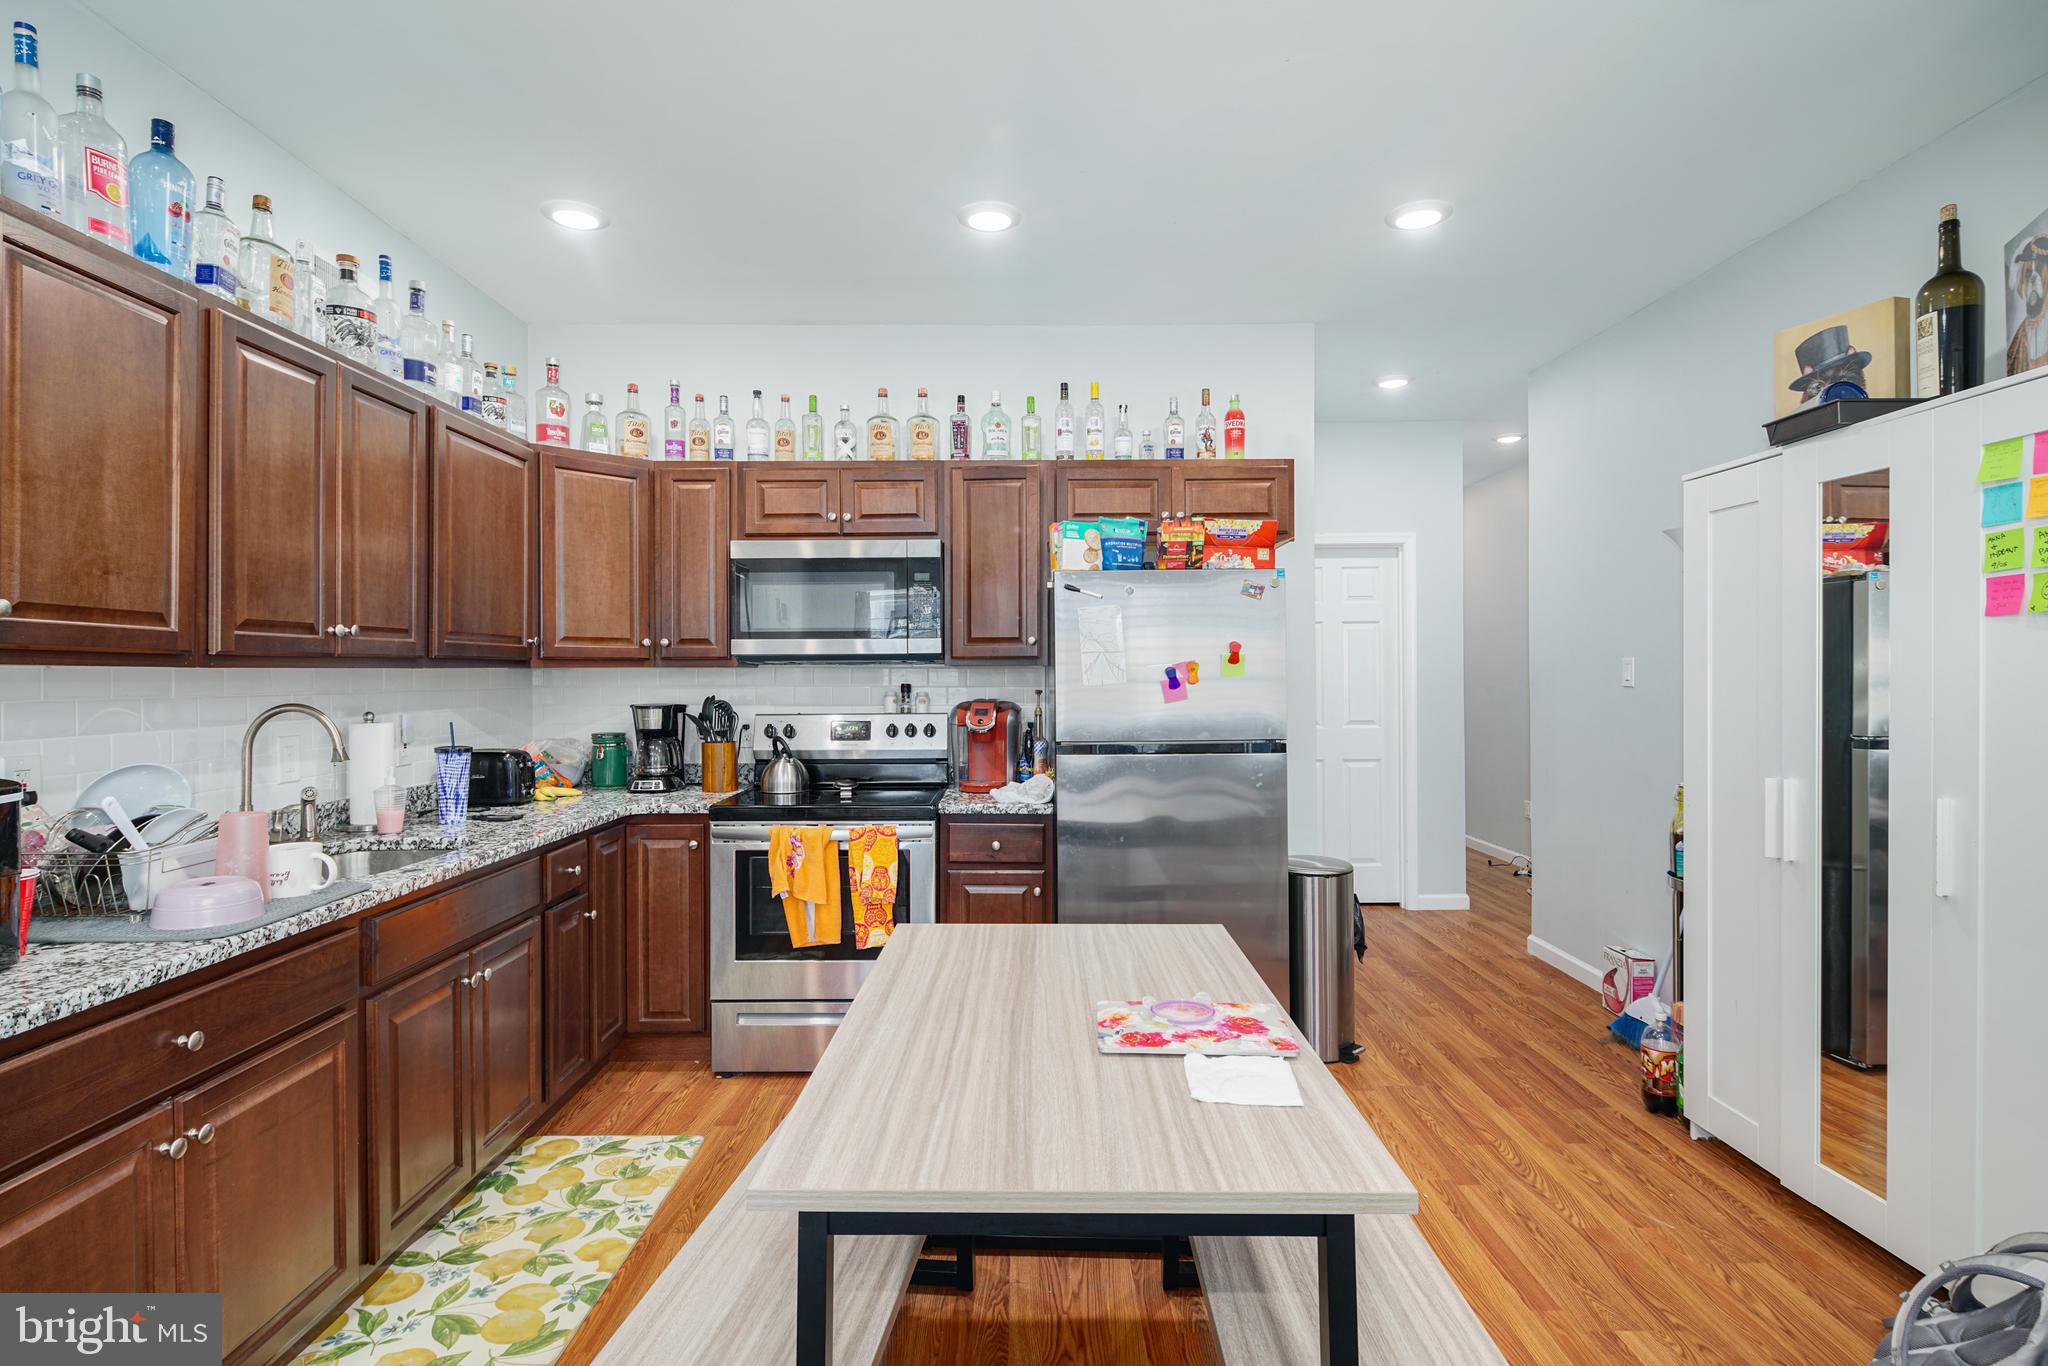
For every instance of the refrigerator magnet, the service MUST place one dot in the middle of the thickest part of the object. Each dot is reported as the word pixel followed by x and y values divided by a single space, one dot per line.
pixel 1253 590
pixel 1233 661
pixel 1171 688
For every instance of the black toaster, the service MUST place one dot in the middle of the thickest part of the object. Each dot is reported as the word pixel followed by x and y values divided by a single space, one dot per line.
pixel 500 777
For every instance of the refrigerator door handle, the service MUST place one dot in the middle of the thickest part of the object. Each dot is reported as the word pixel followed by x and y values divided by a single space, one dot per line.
pixel 1944 846
pixel 1774 818
pixel 1789 840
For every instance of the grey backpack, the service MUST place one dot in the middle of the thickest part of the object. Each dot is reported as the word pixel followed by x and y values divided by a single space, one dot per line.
pixel 1969 1330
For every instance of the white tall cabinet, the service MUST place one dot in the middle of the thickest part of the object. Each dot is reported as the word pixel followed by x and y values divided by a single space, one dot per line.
pixel 1966 1085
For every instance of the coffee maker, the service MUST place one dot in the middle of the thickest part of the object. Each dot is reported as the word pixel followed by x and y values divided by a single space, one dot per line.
pixel 657 748
pixel 986 740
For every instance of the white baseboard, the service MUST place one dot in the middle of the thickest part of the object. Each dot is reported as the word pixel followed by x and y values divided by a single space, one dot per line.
pixel 1565 962
pixel 1439 902
pixel 1498 851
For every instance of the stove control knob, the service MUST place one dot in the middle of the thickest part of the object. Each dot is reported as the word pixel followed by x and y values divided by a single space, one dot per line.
pixel 929 730
pixel 892 730
pixel 769 730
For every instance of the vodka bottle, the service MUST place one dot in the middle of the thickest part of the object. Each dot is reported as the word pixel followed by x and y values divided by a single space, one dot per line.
pixel 216 246
pixel 785 433
pixel 1030 439
pixel 1176 431
pixel 814 432
pixel 265 283
pixel 493 395
pixel 515 404
pixel 94 159
pixel 390 359
pixel 675 423
pixel 845 436
pixel 309 294
pixel 636 429
pixel 596 435
pixel 1148 448
pixel 1063 427
pixel 420 345
pixel 349 322
pixel 995 429
pixel 454 384
pixel 960 432
pixel 1205 431
pixel 28 133
pixel 881 429
pixel 722 430
pixel 757 432
pixel 551 410
pixel 700 433
pixel 924 429
pixel 469 378
pixel 1233 430
pixel 1094 420
pixel 164 191
pixel 1122 444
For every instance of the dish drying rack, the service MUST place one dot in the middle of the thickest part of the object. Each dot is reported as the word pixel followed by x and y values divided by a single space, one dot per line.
pixel 76 882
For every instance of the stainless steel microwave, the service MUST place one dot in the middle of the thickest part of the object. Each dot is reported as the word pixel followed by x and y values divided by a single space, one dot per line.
pixel 851 597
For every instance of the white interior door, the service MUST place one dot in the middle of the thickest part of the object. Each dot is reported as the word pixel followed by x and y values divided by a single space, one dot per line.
pixel 1358 716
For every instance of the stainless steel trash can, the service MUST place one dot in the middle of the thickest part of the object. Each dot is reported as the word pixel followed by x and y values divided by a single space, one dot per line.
pixel 1322 935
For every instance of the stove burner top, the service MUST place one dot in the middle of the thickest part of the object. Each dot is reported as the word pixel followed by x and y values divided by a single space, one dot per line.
pixel 838 802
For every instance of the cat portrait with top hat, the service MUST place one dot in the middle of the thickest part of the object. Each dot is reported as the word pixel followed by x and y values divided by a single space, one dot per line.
pixel 1828 359
pixel 1858 353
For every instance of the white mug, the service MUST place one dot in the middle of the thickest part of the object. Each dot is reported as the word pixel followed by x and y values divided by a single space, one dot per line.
pixel 296 869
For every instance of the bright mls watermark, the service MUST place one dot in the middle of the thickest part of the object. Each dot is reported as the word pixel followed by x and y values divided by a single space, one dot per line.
pixel 118 1330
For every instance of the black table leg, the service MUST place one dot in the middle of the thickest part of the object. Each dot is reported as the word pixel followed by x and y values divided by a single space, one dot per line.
pixel 813 1289
pixel 1337 1289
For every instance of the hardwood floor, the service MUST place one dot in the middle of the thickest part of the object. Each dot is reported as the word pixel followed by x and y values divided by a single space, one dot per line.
pixel 1580 1228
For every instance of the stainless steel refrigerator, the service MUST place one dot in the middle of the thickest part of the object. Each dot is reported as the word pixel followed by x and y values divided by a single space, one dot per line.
pixel 1172 791
pixel 1855 792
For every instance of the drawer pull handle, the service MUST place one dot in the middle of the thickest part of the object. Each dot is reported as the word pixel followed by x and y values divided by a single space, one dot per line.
pixel 664 642
pixel 355 630
pixel 693 844
pixel 590 914
pixel 645 642
pixel 175 1149
pixel 995 844
pixel 1038 891
pixel 470 980
pixel 192 1042
pixel 1031 640
pixel 576 871
pixel 202 1134
pixel 5 607
pixel 487 974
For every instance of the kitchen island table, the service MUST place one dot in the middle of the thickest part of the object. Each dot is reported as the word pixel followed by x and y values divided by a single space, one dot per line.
pixel 964 1097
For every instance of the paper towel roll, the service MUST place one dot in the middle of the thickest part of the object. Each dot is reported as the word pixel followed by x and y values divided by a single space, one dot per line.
pixel 372 761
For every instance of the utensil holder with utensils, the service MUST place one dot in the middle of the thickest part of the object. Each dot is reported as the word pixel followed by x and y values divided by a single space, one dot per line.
pixel 721 766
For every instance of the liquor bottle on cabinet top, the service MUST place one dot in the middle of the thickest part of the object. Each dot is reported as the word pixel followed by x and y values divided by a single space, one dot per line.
pixel 785 433
pixel 758 440
pixel 551 420
pixel 1063 427
pixel 1175 431
pixel 94 162
pixel 1205 431
pixel 881 429
pixel 1094 445
pixel 700 433
pixel 1233 430
pixel 1028 433
pixel 454 384
pixel 1122 443
pixel 635 427
pixel 163 190
pixel 924 430
pixel 961 431
pixel 1948 319
pixel 349 322
pixel 464 380
pixel 675 425
pixel 1148 449
pixel 845 436
pixel 995 429
pixel 596 433
pixel 309 294
pixel 28 133
pixel 814 432
pixel 217 249
pixel 515 404
pixel 264 282
pixel 722 430
pixel 493 395
pixel 390 359
pixel 422 347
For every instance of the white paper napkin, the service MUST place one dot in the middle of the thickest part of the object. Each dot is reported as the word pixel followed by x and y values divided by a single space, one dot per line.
pixel 1241 1080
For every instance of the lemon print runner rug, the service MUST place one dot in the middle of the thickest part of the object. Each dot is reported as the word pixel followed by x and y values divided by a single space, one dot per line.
pixel 509 1273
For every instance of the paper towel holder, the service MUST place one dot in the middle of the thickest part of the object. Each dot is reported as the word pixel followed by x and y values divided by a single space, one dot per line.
pixel 369 718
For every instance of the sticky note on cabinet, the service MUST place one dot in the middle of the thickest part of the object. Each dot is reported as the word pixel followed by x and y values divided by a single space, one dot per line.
pixel 2004 595
pixel 2001 461
pixel 2005 550
pixel 2004 503
pixel 2037 498
pixel 2039 602
pixel 2041 452
pixel 2040 547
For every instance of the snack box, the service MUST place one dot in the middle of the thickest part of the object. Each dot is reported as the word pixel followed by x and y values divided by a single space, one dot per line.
pixel 1076 546
pixel 1238 542
pixel 1123 542
pixel 1180 543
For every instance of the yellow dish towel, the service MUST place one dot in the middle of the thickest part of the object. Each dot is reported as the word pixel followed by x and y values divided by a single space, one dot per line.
pixel 803 870
pixel 871 864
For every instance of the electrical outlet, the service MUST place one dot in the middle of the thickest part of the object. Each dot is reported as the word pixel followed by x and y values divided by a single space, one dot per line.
pixel 23 771
pixel 289 758
pixel 1525 809
pixel 1628 671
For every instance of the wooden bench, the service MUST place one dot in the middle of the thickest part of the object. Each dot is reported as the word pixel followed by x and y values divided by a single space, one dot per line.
pixel 1262 1299
pixel 729 1297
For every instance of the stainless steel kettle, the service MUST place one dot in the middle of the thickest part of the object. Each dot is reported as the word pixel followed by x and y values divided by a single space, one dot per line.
pixel 786 775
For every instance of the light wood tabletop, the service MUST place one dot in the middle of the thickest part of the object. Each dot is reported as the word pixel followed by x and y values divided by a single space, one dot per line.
pixel 965 1079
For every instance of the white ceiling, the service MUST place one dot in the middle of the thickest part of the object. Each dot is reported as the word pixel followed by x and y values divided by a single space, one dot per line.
pixel 1174 159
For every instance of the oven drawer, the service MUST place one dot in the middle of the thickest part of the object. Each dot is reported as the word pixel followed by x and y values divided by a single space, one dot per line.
pixel 1015 843
pixel 772 1036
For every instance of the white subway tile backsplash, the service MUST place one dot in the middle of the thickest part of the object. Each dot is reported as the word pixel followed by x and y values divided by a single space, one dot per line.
pixel 109 717
pixel 75 683
pixel 38 720
pixel 21 685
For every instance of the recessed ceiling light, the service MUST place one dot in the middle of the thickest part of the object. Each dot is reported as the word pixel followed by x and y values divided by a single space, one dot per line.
pixel 1419 214
pixel 1508 438
pixel 574 213
pixel 1392 381
pixel 989 215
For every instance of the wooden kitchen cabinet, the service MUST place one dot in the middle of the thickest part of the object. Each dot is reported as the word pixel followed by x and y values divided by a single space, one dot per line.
pixel 985 897
pixel 789 500
pixel 1096 488
pixel 996 870
pixel 608 941
pixel 667 889
pixel 1236 488
pixel 889 500
pixel 594 547
pixel 102 467
pixel 380 593
pixel 842 498
pixel 572 1026
pixel 418 1043
pixel 505 992
pixel 692 542
pixel 101 1216
pixel 995 565
pixel 483 544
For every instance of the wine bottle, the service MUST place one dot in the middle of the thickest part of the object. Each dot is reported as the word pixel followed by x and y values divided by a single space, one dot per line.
pixel 1948 320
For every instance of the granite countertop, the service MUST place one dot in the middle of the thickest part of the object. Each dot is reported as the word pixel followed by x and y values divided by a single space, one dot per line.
pixel 52 981
pixel 958 803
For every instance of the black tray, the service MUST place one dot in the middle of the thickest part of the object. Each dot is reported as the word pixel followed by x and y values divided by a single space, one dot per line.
pixel 1829 417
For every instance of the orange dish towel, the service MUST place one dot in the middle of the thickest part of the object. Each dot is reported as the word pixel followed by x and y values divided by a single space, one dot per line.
pixel 803 870
pixel 871 865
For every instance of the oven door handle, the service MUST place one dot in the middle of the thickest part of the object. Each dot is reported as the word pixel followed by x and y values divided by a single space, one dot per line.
pixel 755 838
pixel 758 1019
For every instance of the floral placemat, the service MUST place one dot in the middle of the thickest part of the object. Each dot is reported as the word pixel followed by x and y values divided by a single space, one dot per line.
pixel 1152 1026
pixel 509 1273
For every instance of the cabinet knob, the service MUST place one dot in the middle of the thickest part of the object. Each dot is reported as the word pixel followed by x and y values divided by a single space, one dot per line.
pixel 693 844
pixel 831 516
pixel 486 974
pixel 470 980
pixel 590 914
pixel 664 642
pixel 577 871
pixel 355 630
pixel 192 1042
pixel 645 642
pixel 336 630
pixel 202 1134
pixel 175 1149
pixel 533 640
pixel 995 844
pixel 1031 640
pixel 5 607
pixel 1038 891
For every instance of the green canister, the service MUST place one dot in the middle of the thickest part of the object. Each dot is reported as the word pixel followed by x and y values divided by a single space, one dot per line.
pixel 607 759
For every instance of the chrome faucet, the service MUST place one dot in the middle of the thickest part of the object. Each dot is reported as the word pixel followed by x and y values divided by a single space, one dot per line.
pixel 264 718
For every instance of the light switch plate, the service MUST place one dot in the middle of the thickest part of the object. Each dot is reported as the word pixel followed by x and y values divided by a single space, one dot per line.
pixel 1628 671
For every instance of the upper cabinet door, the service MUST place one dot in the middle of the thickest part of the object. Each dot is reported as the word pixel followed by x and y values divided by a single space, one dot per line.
pixel 1103 489
pixel 381 591
pixel 889 500
pixel 1237 488
pixel 275 546
pixel 593 558
pixel 692 544
pixel 995 560
pixel 789 500
pixel 101 471
pixel 483 545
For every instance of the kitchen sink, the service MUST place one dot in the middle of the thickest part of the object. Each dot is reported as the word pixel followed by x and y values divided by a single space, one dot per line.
pixel 361 863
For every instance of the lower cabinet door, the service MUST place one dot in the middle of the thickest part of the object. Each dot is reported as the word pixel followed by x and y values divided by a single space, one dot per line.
pixel 608 944
pixel 1006 898
pixel 570 933
pixel 99 1217
pixel 418 1036
pixel 506 995
pixel 668 864
pixel 271 1188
